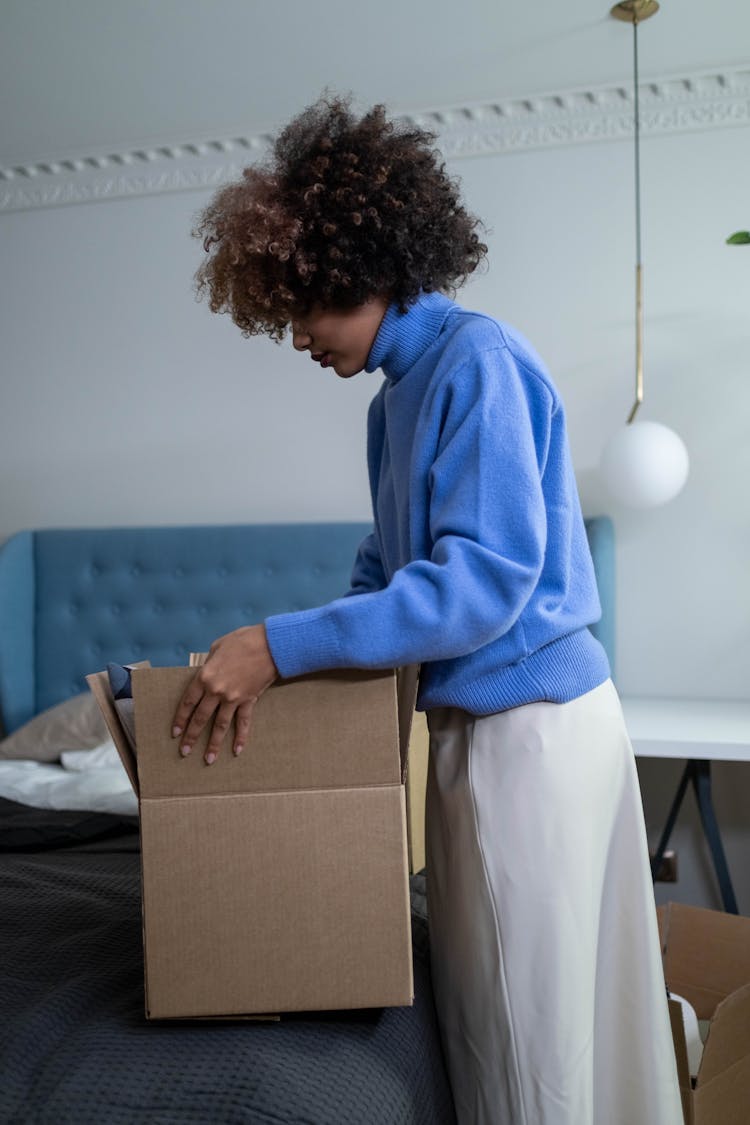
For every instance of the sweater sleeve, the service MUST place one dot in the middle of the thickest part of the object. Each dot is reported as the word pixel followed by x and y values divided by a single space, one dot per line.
pixel 487 527
pixel 367 574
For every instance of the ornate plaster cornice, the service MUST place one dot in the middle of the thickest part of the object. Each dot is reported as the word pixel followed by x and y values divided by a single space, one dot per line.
pixel 690 103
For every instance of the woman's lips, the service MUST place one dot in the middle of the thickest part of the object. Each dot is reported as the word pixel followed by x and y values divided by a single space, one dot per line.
pixel 323 358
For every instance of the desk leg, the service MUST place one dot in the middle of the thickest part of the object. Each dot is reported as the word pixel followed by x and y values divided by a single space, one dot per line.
pixel 676 803
pixel 701 778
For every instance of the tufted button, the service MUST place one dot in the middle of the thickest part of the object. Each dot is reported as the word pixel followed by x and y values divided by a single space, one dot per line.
pixel 270 571
pixel 74 609
pixel 181 650
pixel 158 609
pixel 135 570
pixel 203 610
pixel 95 570
pixel 115 610
pixel 179 572
pixel 317 570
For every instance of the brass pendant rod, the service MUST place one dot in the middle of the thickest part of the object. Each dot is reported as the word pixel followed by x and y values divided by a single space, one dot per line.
pixel 638 250
pixel 638 342
pixel 635 12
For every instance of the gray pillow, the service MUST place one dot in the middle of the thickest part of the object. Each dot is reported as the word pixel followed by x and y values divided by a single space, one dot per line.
pixel 75 724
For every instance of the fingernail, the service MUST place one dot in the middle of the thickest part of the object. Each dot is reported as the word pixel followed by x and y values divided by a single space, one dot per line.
pixel 238 749
pixel 185 750
pixel 176 732
pixel 210 759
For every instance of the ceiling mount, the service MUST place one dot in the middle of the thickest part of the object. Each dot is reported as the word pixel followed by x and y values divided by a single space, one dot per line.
pixel 634 11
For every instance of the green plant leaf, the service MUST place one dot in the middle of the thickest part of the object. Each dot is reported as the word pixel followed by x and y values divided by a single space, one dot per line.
pixel 740 237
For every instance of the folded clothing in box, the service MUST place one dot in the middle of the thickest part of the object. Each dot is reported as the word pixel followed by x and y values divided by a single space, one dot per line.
pixel 121 688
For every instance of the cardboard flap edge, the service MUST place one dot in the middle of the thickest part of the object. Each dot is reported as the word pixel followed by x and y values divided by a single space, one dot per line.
pixel 728 1041
pixel 99 685
pixel 407 682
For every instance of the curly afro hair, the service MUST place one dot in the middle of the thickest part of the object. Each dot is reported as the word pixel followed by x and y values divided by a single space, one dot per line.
pixel 345 209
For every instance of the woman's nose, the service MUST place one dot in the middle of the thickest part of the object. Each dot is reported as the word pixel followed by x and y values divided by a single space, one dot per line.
pixel 301 339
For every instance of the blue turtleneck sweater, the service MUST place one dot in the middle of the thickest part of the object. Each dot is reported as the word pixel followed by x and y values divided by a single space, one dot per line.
pixel 478 567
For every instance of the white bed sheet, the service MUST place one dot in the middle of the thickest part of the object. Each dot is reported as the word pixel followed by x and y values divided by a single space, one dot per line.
pixel 90 780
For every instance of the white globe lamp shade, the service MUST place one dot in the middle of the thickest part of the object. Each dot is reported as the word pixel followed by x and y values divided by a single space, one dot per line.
pixel 644 464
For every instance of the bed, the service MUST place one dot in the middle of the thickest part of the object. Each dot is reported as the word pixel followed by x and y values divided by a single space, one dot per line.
pixel 74 1044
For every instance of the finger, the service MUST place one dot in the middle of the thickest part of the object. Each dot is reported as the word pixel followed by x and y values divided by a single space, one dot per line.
pixel 199 719
pixel 191 697
pixel 243 721
pixel 221 725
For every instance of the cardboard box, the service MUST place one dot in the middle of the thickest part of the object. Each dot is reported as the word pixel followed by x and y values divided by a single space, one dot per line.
pixel 706 957
pixel 275 881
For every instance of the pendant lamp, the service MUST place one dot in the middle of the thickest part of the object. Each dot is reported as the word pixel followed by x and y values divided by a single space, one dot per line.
pixel 644 464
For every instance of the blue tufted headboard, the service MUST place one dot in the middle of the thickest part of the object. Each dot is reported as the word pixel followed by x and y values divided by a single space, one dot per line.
pixel 70 601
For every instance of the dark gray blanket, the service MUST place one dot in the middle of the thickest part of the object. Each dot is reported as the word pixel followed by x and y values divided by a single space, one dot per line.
pixel 75 1048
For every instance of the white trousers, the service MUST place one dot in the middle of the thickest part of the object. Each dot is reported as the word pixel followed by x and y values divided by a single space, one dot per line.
pixel 545 953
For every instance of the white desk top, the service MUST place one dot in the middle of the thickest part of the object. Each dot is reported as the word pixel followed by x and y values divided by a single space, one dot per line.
pixel 689 728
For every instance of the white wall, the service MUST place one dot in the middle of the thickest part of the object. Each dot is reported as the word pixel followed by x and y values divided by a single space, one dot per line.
pixel 125 402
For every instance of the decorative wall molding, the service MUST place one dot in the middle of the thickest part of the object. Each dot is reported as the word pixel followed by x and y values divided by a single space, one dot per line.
pixel 668 105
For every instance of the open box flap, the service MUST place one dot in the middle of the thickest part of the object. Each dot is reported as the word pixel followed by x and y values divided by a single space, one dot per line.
pixel 725 1099
pixel 706 954
pixel 309 732
pixel 728 1038
pixel 407 682
pixel 99 684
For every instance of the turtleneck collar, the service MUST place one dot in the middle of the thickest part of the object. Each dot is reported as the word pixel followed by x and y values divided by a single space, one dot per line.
pixel 403 337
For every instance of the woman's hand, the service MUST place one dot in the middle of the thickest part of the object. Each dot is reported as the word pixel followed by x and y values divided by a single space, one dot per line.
pixel 238 670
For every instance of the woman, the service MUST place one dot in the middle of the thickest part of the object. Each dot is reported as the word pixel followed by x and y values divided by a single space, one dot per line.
pixel 546 966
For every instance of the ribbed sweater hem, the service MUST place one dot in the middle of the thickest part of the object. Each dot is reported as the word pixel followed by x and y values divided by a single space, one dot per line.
pixel 558 672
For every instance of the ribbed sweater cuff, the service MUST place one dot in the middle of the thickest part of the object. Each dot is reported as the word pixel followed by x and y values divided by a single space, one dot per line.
pixel 303 642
